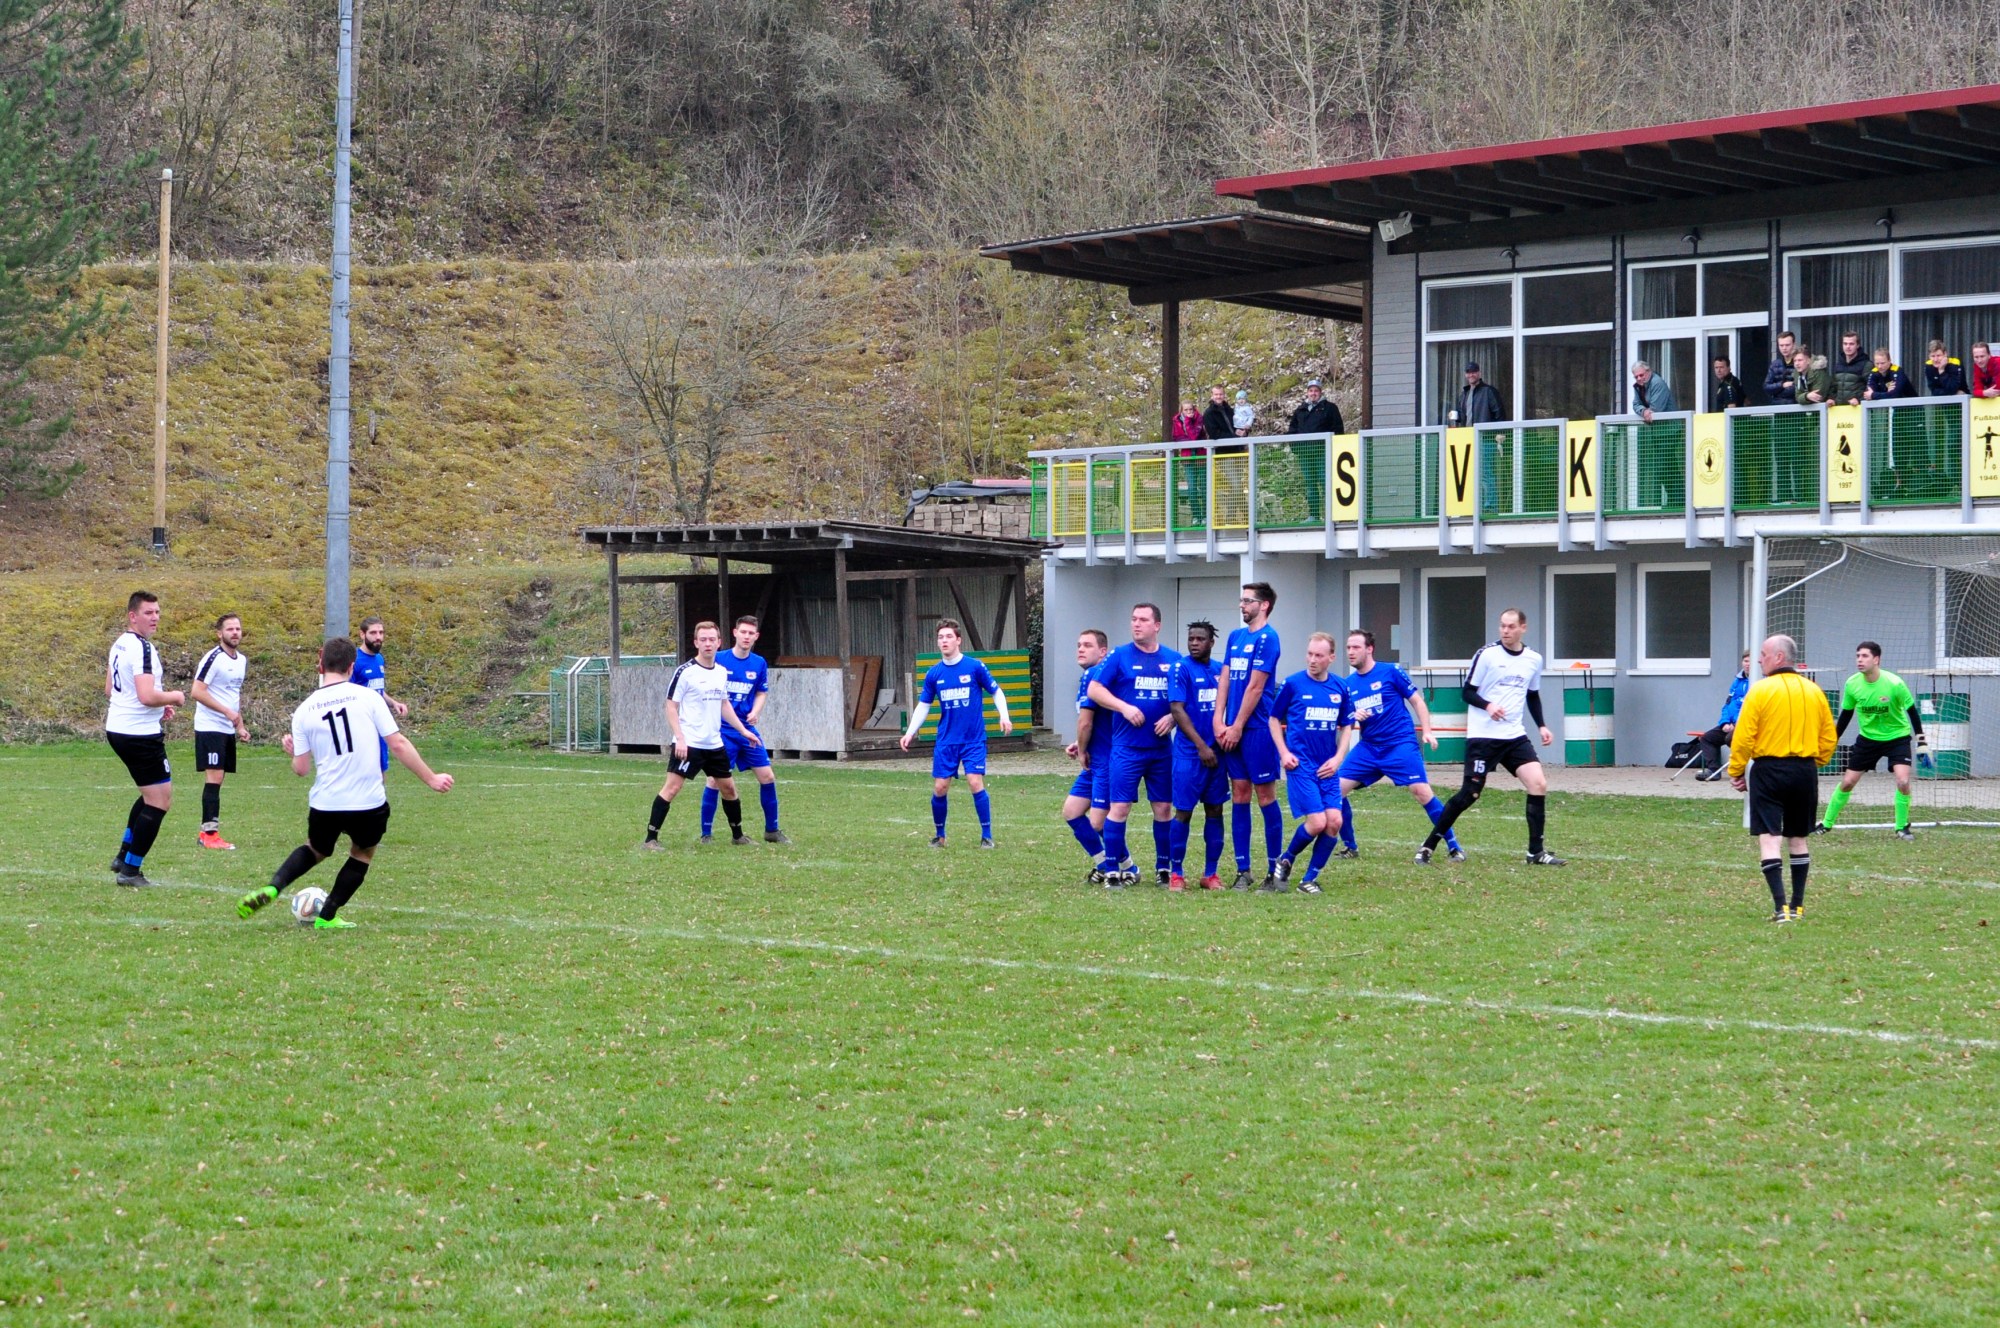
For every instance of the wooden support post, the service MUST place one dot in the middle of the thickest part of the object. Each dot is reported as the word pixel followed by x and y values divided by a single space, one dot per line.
pixel 965 616
pixel 722 597
pixel 611 557
pixel 683 641
pixel 912 643
pixel 1009 587
pixel 1170 365
pixel 1021 609
pixel 844 630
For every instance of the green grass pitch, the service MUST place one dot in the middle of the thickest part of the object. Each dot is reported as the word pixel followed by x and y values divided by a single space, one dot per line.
pixel 549 1079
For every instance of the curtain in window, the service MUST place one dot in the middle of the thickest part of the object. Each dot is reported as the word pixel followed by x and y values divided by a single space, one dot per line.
pixel 1834 281
pixel 1957 328
pixel 1960 270
pixel 1495 357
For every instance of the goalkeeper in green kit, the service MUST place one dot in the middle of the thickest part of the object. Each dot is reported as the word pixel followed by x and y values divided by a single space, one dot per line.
pixel 1890 725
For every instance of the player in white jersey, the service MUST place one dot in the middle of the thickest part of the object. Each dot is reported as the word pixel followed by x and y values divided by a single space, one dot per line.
pixel 1503 683
pixel 218 722
pixel 133 718
pixel 697 707
pixel 337 733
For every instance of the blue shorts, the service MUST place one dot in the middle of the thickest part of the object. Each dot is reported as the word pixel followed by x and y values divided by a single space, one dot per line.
pixel 745 755
pixel 1094 783
pixel 948 757
pixel 1154 764
pixel 1256 757
pixel 1310 794
pixel 1404 767
pixel 1197 785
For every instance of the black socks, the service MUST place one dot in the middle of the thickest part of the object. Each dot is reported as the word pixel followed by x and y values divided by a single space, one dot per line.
pixel 733 809
pixel 211 804
pixel 1801 864
pixel 345 884
pixel 1538 817
pixel 660 808
pixel 303 860
pixel 1774 876
pixel 145 829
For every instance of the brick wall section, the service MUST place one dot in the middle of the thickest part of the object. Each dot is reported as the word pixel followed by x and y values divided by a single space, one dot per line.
pixel 1005 518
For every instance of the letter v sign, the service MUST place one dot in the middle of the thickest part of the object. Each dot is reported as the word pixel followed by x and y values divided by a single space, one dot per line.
pixel 1459 449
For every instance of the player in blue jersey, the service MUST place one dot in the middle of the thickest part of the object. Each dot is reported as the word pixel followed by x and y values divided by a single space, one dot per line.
pixel 1244 691
pixel 1199 779
pixel 1312 722
pixel 958 687
pixel 1133 683
pixel 749 684
pixel 1090 794
pixel 1389 746
pixel 369 673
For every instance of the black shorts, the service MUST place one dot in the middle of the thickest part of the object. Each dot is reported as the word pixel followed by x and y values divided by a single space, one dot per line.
pixel 144 754
pixel 700 761
pixel 1784 796
pixel 215 751
pixel 1866 752
pixel 1483 754
pixel 363 829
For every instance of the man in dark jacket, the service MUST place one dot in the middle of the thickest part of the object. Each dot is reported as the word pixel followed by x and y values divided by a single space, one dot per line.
pixel 1316 414
pixel 1216 420
pixel 1715 739
pixel 1728 391
pixel 1478 402
pixel 1781 386
pixel 1850 371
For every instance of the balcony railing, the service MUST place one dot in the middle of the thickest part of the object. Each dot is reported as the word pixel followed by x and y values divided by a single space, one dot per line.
pixel 1922 453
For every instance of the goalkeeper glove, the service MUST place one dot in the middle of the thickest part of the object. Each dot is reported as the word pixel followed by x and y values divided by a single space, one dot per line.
pixel 1924 753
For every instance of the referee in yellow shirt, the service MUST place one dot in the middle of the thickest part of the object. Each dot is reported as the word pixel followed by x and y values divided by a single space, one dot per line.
pixel 1787 728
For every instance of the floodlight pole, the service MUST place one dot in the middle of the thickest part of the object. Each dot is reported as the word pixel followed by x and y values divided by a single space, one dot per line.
pixel 339 404
pixel 160 369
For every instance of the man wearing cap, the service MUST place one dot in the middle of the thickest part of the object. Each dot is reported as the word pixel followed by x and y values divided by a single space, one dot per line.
pixel 1478 402
pixel 1316 414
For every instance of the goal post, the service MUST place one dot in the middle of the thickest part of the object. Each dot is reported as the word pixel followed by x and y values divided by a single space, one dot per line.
pixel 1931 598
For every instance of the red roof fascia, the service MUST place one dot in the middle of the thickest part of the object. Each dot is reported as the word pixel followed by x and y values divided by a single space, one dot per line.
pixel 1247 186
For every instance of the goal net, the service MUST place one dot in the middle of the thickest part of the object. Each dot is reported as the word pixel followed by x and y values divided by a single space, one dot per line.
pixel 1933 603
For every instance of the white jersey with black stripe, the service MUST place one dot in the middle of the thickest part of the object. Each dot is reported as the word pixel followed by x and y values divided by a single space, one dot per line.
pixel 343 725
pixel 223 674
pixel 131 656
pixel 700 693
pixel 1505 676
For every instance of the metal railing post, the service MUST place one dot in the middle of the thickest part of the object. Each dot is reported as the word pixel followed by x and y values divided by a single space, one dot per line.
pixel 1965 461
pixel 1362 441
pixel 1089 508
pixel 1208 517
pixel 1603 541
pixel 1126 456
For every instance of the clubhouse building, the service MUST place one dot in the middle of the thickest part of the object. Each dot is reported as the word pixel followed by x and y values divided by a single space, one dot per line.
pixel 1633 544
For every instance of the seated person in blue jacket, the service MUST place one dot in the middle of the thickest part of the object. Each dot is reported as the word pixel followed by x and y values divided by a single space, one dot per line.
pixel 1717 738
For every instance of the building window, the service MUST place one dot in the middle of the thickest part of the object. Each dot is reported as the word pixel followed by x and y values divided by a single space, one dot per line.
pixel 1689 313
pixel 1375 604
pixel 1542 339
pixel 1674 615
pixel 1902 296
pixel 1454 617
pixel 1583 616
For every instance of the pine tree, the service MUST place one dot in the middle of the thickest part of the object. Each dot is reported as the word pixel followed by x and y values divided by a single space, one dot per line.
pixel 62 62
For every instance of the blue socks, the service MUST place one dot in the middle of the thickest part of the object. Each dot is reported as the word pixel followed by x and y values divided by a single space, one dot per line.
pixel 1211 837
pixel 1114 843
pixel 1322 850
pixel 1347 827
pixel 709 798
pixel 984 807
pixel 1177 838
pixel 938 808
pixel 1274 832
pixel 1163 844
pixel 1434 809
pixel 1239 833
pixel 1300 838
pixel 768 795
pixel 1087 835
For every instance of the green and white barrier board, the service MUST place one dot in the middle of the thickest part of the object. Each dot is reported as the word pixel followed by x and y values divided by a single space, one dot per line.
pixel 1948 725
pixel 1447 706
pixel 1587 726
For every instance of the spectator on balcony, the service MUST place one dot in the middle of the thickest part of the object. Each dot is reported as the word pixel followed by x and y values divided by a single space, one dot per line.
pixel 1781 387
pixel 1190 465
pixel 1985 371
pixel 1815 383
pixel 1244 417
pixel 1728 391
pixel 1478 400
pixel 1216 421
pixel 1943 375
pixel 1316 414
pixel 1888 381
pixel 1650 394
pixel 1849 370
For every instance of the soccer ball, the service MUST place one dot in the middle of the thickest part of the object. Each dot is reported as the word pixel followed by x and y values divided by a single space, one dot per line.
pixel 306 904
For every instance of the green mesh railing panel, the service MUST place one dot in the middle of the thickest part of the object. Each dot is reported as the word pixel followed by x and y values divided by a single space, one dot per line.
pixel 1190 476
pixel 1291 485
pixel 1914 454
pixel 1402 477
pixel 1775 460
pixel 1645 467
pixel 1069 481
pixel 1149 494
pixel 1038 501
pixel 1107 497
pixel 1520 471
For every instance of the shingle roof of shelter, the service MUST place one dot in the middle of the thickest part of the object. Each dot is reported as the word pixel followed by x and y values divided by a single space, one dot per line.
pixel 1282 263
pixel 808 545
pixel 1857 154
